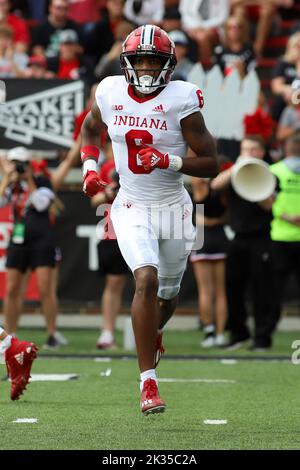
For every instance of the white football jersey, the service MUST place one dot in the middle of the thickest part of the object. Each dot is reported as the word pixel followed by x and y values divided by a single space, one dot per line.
pixel 134 123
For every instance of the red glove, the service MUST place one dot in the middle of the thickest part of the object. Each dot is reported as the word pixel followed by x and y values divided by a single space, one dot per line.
pixel 152 158
pixel 92 184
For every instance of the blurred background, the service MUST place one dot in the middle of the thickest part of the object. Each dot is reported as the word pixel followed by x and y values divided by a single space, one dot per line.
pixel 245 56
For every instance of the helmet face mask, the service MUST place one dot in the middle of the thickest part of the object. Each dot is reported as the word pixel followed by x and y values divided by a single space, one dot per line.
pixel 149 41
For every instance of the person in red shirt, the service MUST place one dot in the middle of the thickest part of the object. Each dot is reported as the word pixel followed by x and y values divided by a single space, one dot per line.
pixel 21 37
pixel 68 64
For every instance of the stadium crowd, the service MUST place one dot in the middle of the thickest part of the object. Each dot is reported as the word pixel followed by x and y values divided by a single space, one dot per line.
pixel 82 39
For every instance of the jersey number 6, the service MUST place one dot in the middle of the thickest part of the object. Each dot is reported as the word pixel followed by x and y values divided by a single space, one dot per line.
pixel 136 140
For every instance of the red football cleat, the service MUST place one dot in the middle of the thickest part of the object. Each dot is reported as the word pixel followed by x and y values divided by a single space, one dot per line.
pixel 150 399
pixel 19 358
pixel 159 349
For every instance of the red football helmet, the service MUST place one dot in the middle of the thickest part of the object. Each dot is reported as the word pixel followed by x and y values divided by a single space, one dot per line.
pixel 148 40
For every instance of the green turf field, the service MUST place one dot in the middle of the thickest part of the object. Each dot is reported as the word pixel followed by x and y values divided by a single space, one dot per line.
pixel 176 343
pixel 259 400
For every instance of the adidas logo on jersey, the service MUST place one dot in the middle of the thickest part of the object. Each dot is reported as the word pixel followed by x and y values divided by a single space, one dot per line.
pixel 158 109
pixel 20 358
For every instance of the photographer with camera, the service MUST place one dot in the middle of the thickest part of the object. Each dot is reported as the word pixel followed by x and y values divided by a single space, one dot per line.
pixel 32 242
pixel 111 262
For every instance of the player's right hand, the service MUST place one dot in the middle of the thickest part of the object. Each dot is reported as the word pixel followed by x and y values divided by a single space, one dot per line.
pixel 92 184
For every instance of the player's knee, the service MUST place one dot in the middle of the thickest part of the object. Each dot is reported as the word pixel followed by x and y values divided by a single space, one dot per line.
pixel 168 292
pixel 146 283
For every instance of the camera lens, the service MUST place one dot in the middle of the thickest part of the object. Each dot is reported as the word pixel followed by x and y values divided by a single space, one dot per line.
pixel 20 167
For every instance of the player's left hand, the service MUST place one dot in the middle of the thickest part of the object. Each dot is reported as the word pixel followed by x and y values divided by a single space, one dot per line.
pixel 152 158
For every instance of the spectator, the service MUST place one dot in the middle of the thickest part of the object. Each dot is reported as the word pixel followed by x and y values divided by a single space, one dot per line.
pixel 45 36
pixel 209 263
pixel 111 262
pixel 285 226
pixel 12 63
pixel 104 29
pixel 171 19
pixel 263 13
pixel 248 258
pixel 21 37
pixel 68 64
pixel 56 177
pixel 289 122
pixel 184 64
pixel 37 68
pixel 236 52
pixel 202 20
pixel 109 64
pixel 142 12
pixel 284 73
pixel 32 243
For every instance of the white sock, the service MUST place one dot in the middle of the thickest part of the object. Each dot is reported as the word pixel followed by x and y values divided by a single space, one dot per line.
pixel 148 374
pixel 5 343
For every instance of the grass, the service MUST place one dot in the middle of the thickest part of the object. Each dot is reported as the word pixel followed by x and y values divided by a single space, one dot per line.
pixel 95 412
pixel 183 343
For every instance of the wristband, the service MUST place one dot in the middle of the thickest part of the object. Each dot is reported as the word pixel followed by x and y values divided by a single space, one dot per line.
pixel 175 162
pixel 89 157
pixel 89 151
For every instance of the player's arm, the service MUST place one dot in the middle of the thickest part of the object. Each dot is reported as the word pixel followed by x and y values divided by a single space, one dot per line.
pixel 90 134
pixel 199 139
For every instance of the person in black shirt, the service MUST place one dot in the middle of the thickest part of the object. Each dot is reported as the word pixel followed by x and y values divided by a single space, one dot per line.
pixel 236 52
pixel 284 73
pixel 32 242
pixel 101 36
pixel 248 258
pixel 45 36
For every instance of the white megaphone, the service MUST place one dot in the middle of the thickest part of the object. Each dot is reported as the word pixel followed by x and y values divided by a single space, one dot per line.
pixel 252 179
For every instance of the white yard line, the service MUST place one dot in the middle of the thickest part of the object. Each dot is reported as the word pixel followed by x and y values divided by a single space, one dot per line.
pixel 103 359
pixel 52 377
pixel 225 381
pixel 215 421
pixel 26 420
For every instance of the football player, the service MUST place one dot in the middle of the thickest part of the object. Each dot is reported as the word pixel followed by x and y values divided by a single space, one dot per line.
pixel 151 121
